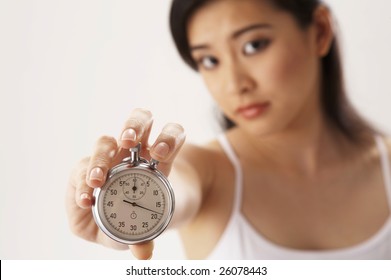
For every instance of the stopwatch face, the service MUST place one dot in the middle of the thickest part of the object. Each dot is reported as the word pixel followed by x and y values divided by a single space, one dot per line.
pixel 135 205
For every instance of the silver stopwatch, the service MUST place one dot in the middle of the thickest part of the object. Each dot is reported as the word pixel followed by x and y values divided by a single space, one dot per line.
pixel 136 203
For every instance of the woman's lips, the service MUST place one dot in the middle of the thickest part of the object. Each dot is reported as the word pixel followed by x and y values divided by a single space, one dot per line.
pixel 254 110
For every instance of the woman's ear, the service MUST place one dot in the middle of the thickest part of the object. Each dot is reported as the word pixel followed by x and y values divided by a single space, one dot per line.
pixel 322 21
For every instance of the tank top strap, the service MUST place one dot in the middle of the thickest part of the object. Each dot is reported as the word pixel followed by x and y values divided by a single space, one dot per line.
pixel 229 151
pixel 385 165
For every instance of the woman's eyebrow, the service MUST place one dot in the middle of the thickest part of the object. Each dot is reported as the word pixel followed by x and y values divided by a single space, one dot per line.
pixel 198 47
pixel 250 28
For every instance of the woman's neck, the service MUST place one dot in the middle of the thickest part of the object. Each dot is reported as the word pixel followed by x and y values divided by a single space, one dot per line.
pixel 304 151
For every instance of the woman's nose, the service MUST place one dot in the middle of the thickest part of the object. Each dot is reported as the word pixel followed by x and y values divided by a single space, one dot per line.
pixel 238 80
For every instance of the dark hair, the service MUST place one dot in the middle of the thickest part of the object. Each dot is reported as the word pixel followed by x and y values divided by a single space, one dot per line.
pixel 334 100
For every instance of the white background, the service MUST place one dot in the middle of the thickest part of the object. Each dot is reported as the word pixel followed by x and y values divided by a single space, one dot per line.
pixel 71 71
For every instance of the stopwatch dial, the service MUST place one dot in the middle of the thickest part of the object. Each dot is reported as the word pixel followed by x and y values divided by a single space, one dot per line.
pixel 135 204
pixel 133 186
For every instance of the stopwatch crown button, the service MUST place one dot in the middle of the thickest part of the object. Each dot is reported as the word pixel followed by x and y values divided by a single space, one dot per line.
pixel 135 153
pixel 153 164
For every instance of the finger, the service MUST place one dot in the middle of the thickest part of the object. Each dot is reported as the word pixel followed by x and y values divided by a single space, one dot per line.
pixel 167 146
pixel 101 161
pixel 82 192
pixel 142 251
pixel 137 129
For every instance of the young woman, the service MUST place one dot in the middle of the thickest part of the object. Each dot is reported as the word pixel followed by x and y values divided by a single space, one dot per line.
pixel 296 175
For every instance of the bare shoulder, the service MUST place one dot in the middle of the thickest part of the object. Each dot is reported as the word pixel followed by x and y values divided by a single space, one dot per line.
pixel 200 153
pixel 387 140
pixel 201 159
pixel 374 151
pixel 202 156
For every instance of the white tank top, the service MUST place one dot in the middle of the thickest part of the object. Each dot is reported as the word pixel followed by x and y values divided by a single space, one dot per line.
pixel 240 240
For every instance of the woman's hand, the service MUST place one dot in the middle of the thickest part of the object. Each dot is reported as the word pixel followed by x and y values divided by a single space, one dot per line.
pixel 91 173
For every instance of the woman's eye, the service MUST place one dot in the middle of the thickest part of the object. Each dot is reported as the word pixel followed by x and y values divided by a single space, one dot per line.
pixel 208 62
pixel 254 46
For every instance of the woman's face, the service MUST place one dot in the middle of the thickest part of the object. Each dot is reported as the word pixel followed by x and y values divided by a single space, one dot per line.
pixel 259 65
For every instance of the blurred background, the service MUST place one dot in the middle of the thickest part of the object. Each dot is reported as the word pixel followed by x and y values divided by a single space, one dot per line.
pixel 71 71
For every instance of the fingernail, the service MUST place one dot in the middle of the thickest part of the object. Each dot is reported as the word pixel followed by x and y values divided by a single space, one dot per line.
pixel 176 131
pixel 129 135
pixel 84 196
pixel 112 154
pixel 162 149
pixel 96 174
pixel 85 201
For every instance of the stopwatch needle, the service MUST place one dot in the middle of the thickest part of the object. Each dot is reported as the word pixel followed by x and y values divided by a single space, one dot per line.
pixel 136 205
